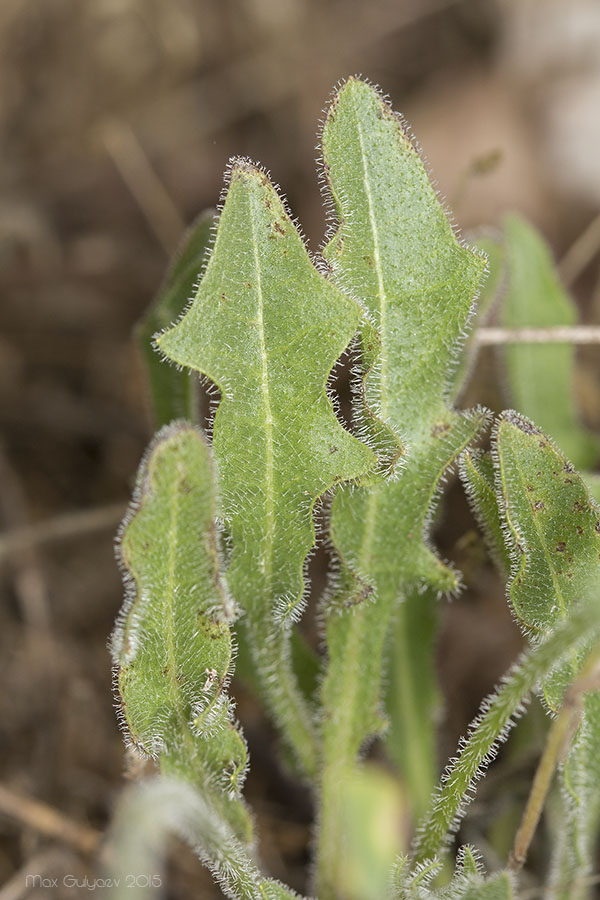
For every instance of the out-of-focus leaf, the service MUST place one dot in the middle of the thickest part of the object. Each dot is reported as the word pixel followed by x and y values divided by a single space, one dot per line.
pixel 494 251
pixel 172 392
pixel 149 813
pixel 541 376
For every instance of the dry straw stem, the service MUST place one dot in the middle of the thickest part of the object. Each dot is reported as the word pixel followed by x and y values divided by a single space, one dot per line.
pixel 48 821
pixel 71 525
pixel 576 334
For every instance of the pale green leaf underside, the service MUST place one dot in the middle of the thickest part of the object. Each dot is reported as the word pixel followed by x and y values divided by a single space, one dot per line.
pixel 172 392
pixel 555 531
pixel 267 328
pixel 150 812
pixel 172 645
pixel 394 250
pixel 541 377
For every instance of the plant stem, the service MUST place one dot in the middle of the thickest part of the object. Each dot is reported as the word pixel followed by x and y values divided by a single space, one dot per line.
pixel 279 686
pixel 413 697
pixel 344 729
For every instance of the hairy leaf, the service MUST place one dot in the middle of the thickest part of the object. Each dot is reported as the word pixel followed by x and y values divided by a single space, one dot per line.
pixel 147 815
pixel 554 527
pixel 449 802
pixel 172 392
pixel 394 249
pixel 476 469
pixel 468 883
pixel 540 376
pixel 267 328
pixel 172 646
pixel 574 849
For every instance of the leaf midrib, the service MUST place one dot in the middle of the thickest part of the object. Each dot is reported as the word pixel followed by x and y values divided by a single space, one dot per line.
pixel 378 269
pixel 170 619
pixel 267 561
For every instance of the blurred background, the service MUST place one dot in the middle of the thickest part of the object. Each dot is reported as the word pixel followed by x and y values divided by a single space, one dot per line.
pixel 117 118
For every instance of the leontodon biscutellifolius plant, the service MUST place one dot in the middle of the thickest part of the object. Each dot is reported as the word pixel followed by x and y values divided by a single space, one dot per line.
pixel 216 544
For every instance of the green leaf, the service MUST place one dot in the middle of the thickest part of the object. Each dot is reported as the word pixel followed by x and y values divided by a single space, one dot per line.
pixel 554 527
pixel 468 883
pixel 540 377
pixel 476 469
pixel 576 834
pixel 149 812
pixel 374 808
pixel 592 479
pixel 496 887
pixel 488 294
pixel 455 791
pixel 413 696
pixel 268 328
pixel 172 646
pixel 394 249
pixel 172 392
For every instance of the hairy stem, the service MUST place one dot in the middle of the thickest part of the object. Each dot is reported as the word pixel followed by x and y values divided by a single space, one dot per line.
pixel 454 792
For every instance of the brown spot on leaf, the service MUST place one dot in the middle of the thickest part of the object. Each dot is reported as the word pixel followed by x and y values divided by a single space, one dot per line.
pixel 561 547
pixel 540 505
pixel 521 422
pixel 439 428
pixel 278 227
